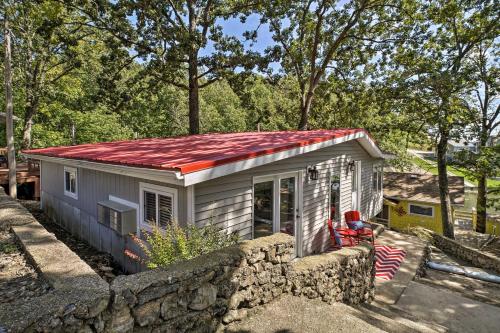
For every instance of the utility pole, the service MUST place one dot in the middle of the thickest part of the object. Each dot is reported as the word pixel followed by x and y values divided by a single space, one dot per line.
pixel 9 121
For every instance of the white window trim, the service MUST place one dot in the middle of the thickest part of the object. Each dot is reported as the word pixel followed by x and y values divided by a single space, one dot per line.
pixel 359 175
pixel 378 169
pixel 157 189
pixel 68 193
pixel 419 205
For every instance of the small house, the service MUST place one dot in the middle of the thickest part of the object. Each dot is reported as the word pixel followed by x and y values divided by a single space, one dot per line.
pixel 412 200
pixel 255 184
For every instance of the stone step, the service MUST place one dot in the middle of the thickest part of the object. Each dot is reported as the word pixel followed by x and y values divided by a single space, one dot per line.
pixel 394 320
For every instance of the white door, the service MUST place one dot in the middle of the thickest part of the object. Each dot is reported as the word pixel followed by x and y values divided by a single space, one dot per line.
pixel 276 205
pixel 356 186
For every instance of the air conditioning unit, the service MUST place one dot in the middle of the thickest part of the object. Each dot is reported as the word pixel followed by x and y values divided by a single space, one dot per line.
pixel 121 218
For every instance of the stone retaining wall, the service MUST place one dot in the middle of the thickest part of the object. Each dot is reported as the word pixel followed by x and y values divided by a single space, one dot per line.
pixel 456 249
pixel 475 257
pixel 223 286
pixel 197 295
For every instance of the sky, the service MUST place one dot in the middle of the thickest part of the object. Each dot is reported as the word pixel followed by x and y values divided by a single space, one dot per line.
pixel 233 27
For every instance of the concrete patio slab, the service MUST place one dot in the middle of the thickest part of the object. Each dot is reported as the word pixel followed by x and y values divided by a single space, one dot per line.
pixel 388 291
pixel 450 309
pixel 298 314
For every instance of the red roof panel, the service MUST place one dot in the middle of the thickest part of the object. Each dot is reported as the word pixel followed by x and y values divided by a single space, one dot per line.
pixel 192 153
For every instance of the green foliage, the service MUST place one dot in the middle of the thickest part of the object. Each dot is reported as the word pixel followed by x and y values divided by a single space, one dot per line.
pixel 222 111
pixel 164 247
pixel 8 248
pixel 473 165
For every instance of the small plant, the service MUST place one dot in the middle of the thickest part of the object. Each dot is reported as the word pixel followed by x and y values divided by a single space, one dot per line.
pixel 164 247
pixel 8 248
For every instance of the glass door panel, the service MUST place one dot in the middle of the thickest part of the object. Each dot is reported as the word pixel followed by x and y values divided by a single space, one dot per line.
pixel 287 205
pixel 335 197
pixel 263 209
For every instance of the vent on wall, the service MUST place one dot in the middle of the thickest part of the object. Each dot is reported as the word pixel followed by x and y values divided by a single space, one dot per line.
pixel 119 217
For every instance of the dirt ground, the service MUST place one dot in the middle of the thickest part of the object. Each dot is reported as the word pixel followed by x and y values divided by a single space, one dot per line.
pixel 102 263
pixel 18 279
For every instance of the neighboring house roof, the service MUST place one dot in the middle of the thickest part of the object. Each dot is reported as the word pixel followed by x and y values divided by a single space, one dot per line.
pixel 204 153
pixel 462 144
pixel 421 187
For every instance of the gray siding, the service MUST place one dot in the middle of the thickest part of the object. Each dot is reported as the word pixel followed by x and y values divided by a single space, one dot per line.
pixel 227 201
pixel 79 216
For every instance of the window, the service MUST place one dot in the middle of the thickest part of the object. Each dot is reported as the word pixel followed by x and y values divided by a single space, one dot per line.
pixel 421 210
pixel 335 197
pixel 378 178
pixel 71 182
pixel 158 205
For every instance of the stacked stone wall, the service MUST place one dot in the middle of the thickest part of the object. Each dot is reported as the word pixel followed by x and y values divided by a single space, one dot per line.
pixel 469 254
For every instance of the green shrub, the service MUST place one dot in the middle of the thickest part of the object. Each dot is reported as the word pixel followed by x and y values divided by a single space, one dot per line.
pixel 164 247
pixel 8 248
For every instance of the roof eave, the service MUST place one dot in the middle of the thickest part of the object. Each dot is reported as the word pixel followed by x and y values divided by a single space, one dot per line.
pixel 361 137
pixel 165 176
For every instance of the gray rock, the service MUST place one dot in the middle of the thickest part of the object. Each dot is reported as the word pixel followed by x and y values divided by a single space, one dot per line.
pixel 170 307
pixel 147 314
pixel 234 315
pixel 152 293
pixel 205 296
pixel 122 321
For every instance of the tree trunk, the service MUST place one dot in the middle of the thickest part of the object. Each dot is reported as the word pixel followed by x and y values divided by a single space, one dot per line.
pixel 481 204
pixel 305 109
pixel 194 103
pixel 482 186
pixel 444 194
pixel 9 122
pixel 28 124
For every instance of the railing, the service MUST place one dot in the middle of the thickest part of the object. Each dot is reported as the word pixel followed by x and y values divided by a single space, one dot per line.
pixel 380 220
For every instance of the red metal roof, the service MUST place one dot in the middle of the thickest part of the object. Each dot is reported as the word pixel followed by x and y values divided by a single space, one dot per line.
pixel 192 153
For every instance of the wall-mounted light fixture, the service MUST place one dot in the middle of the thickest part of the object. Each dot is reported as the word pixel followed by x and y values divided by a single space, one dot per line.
pixel 312 172
pixel 350 166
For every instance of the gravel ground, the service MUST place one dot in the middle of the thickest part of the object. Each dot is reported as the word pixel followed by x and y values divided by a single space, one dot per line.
pixel 18 279
pixel 102 263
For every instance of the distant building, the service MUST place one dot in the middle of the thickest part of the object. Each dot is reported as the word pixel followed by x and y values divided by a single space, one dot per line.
pixel 456 146
pixel 412 200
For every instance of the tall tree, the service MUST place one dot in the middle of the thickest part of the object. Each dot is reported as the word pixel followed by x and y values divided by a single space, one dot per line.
pixel 431 64
pixel 9 121
pixel 484 105
pixel 317 37
pixel 46 33
pixel 181 42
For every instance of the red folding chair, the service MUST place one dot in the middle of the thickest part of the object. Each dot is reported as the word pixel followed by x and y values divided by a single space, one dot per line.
pixel 364 233
pixel 344 233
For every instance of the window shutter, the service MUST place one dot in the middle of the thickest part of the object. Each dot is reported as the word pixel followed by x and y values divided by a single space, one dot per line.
pixel 150 208
pixel 165 213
